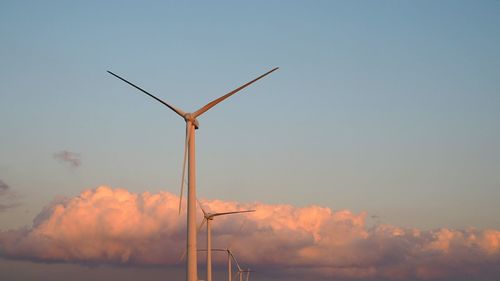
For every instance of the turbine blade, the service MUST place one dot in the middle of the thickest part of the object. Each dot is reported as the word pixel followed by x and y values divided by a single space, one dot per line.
pixel 234 259
pixel 176 110
pixel 229 213
pixel 216 101
pixel 215 250
pixel 181 258
pixel 201 207
pixel 201 224
pixel 186 143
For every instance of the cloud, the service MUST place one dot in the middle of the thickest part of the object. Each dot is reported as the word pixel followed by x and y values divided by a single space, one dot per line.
pixel 6 194
pixel 72 158
pixel 115 226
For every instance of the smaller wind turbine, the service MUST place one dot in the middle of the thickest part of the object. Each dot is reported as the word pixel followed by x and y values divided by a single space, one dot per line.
pixel 208 217
pixel 240 270
pixel 247 271
pixel 230 257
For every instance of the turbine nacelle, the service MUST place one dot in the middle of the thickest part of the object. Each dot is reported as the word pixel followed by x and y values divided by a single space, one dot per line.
pixel 190 117
pixel 210 216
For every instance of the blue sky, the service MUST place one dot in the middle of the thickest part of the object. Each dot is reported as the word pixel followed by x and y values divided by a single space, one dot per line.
pixel 386 107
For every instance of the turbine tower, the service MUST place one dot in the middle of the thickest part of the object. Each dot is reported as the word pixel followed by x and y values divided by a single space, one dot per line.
pixel 208 217
pixel 189 150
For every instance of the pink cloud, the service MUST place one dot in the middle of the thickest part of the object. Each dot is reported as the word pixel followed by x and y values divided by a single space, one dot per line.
pixel 105 225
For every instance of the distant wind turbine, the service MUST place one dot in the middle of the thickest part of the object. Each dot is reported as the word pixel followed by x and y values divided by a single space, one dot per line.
pixel 208 217
pixel 248 273
pixel 241 271
pixel 189 153
pixel 230 256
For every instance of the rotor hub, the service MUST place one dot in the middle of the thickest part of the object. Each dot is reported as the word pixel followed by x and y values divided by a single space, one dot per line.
pixel 190 118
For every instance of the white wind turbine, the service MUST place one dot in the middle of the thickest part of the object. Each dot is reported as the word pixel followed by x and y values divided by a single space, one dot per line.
pixel 241 271
pixel 189 151
pixel 248 273
pixel 230 256
pixel 208 217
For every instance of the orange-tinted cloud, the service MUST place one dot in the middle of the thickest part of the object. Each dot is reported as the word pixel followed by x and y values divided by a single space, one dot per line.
pixel 116 226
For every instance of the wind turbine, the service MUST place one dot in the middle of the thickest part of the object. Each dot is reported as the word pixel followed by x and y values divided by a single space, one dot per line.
pixel 240 270
pixel 230 257
pixel 208 217
pixel 189 152
pixel 248 273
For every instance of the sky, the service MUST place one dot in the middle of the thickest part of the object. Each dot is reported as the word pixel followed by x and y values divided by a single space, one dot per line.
pixel 379 131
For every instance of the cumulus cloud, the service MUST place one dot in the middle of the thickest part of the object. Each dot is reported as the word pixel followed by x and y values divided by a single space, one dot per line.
pixel 106 225
pixel 8 199
pixel 71 158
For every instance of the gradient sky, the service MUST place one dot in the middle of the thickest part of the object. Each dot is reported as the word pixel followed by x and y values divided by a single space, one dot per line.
pixel 386 107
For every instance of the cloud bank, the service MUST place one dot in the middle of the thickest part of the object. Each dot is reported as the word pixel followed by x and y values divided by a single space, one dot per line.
pixel 71 158
pixel 115 226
